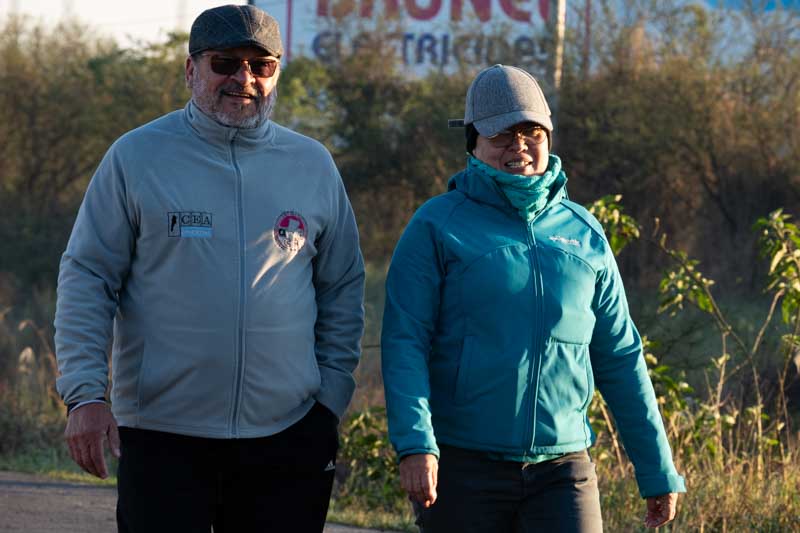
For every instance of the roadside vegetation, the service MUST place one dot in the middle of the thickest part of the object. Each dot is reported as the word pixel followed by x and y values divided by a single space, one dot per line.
pixel 679 127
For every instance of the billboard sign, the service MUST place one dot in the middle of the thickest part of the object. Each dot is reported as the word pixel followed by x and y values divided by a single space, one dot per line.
pixel 425 34
pixel 758 5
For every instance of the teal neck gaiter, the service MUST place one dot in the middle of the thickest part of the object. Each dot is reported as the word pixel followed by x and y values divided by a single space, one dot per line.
pixel 528 194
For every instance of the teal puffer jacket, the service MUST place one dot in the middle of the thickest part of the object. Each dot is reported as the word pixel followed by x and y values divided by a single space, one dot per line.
pixel 496 331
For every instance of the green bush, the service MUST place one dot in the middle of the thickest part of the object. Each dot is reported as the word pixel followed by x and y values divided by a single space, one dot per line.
pixel 368 471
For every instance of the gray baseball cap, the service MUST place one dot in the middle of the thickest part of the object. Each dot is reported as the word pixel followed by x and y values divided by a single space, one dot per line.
pixel 501 96
pixel 232 26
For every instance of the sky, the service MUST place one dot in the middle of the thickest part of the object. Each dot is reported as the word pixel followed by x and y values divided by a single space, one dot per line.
pixel 129 21
pixel 124 20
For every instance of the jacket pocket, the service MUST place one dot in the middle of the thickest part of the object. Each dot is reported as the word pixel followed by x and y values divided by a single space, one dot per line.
pixel 587 366
pixel 463 381
pixel 568 293
pixel 281 375
pixel 185 380
pixel 565 388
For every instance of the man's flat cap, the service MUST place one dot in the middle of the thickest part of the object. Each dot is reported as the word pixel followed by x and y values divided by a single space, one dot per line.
pixel 232 26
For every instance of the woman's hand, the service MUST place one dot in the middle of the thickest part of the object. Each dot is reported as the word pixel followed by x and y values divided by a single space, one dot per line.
pixel 661 509
pixel 419 477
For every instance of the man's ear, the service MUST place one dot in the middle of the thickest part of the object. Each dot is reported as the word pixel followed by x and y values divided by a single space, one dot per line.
pixel 189 72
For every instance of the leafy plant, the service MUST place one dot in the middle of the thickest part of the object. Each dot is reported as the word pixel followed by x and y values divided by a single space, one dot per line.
pixel 780 242
pixel 620 228
pixel 369 474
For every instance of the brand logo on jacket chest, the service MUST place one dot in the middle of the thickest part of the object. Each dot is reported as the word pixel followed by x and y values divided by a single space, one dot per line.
pixel 189 224
pixel 564 240
pixel 290 231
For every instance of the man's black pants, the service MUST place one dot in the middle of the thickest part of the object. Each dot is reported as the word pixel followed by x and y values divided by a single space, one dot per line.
pixel 174 483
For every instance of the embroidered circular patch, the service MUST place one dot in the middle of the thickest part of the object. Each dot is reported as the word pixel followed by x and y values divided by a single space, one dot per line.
pixel 290 231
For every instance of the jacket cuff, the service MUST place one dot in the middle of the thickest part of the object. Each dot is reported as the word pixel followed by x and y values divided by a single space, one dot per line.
pixel 336 390
pixel 650 486
pixel 417 451
pixel 75 405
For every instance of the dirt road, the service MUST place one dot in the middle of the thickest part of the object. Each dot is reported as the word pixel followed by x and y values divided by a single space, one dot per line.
pixel 37 504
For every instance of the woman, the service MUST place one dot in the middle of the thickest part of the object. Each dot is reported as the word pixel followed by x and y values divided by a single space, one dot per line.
pixel 504 307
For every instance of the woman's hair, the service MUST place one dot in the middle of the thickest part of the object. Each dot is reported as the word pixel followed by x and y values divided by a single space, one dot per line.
pixel 472 137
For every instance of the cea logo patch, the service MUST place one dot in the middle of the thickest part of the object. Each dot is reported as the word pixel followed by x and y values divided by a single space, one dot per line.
pixel 190 224
pixel 290 231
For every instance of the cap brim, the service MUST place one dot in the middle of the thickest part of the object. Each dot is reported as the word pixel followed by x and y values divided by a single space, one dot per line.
pixel 238 44
pixel 491 126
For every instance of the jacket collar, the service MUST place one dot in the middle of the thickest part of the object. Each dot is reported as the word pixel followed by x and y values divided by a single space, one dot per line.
pixel 478 186
pixel 215 133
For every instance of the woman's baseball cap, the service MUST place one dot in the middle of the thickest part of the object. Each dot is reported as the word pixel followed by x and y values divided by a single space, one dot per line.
pixel 501 96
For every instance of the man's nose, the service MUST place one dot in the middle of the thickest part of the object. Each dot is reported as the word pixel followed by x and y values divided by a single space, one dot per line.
pixel 243 75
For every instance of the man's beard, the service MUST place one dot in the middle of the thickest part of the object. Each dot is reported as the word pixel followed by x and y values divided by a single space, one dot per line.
pixel 211 104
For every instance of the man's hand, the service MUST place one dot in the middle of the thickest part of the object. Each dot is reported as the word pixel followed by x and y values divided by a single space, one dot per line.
pixel 419 477
pixel 89 428
pixel 661 509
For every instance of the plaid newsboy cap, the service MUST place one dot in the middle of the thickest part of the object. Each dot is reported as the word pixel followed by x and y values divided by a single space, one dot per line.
pixel 232 26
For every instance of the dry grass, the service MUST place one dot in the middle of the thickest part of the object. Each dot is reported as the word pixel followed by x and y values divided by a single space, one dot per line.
pixel 364 517
pixel 729 498
pixel 740 477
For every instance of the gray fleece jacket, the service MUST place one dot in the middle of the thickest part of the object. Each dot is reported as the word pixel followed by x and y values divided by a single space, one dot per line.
pixel 225 265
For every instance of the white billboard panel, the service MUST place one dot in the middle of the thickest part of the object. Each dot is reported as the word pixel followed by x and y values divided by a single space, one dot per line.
pixel 426 34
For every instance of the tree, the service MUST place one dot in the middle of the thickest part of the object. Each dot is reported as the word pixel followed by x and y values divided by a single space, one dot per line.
pixel 689 126
pixel 64 97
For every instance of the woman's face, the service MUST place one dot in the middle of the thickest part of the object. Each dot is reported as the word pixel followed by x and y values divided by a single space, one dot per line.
pixel 522 149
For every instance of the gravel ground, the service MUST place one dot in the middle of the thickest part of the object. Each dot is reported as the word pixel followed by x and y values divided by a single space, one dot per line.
pixel 37 504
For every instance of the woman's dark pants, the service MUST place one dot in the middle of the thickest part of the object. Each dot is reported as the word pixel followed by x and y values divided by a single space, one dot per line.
pixel 477 494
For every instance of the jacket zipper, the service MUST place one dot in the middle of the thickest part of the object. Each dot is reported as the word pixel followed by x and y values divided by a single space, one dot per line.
pixel 237 393
pixel 533 372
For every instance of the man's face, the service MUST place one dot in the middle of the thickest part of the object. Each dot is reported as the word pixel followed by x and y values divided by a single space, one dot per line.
pixel 521 150
pixel 238 100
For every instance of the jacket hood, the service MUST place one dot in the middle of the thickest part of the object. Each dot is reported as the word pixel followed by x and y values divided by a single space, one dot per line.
pixel 480 187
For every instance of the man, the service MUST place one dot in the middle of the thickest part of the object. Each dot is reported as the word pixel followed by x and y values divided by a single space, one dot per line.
pixel 222 249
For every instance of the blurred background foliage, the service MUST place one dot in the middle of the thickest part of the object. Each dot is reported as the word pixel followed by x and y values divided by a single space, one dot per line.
pixel 691 114
pixel 683 121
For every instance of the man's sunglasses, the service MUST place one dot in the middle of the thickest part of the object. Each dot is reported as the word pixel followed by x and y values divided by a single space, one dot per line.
pixel 228 66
